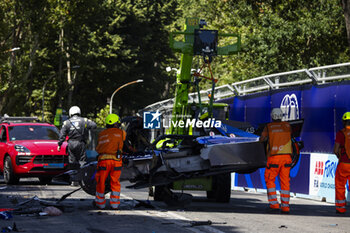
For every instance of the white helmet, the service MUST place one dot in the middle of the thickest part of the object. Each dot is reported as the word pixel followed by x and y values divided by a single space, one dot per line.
pixel 276 114
pixel 74 110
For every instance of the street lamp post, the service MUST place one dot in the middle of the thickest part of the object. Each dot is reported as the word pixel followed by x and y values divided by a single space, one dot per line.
pixel 12 57
pixel 126 84
pixel 13 49
pixel 44 87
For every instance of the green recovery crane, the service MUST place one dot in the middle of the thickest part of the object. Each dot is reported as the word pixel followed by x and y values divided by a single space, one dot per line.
pixel 197 41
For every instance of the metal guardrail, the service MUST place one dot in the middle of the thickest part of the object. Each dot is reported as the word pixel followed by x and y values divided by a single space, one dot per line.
pixel 316 75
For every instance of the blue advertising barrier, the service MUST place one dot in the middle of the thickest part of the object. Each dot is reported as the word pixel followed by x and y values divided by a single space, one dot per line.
pixel 299 182
pixel 321 107
pixel 322 174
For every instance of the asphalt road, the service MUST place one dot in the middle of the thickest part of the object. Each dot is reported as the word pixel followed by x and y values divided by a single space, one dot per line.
pixel 246 212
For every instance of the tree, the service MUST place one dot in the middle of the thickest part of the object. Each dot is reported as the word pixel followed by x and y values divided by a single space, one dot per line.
pixel 22 20
pixel 346 10
pixel 277 36
pixel 113 42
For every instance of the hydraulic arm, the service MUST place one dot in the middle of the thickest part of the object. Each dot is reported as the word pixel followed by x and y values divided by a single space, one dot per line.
pixel 197 41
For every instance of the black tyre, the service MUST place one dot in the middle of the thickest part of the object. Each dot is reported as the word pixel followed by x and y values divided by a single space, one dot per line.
pixel 296 146
pixel 45 179
pixel 158 193
pixel 9 176
pixel 211 194
pixel 222 188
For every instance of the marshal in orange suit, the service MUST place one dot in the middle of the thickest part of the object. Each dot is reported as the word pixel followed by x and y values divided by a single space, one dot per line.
pixel 279 159
pixel 342 150
pixel 109 147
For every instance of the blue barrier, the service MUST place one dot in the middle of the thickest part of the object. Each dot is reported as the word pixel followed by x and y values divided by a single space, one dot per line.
pixel 321 107
pixel 299 177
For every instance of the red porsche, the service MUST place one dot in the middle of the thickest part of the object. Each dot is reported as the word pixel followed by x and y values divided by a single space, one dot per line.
pixel 30 150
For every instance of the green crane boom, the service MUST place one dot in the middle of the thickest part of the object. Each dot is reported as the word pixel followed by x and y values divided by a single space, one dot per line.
pixel 197 42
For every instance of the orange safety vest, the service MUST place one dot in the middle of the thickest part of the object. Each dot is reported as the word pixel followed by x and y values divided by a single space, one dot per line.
pixel 346 132
pixel 280 141
pixel 110 143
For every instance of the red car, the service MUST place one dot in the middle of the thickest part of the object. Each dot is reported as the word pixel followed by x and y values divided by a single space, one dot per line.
pixel 30 150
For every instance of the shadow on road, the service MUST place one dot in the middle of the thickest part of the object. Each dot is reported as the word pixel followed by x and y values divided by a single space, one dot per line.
pixel 81 216
pixel 256 206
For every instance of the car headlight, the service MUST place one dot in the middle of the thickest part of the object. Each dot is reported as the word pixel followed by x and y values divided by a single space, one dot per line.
pixel 20 148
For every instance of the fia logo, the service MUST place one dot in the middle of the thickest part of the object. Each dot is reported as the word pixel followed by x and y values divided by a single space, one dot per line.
pixel 151 120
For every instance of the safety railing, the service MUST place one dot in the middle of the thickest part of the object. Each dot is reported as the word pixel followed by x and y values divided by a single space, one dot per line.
pixel 317 76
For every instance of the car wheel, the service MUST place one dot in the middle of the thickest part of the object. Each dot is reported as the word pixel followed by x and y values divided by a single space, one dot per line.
pixel 9 176
pixel 45 179
pixel 158 193
pixel 223 188
pixel 210 194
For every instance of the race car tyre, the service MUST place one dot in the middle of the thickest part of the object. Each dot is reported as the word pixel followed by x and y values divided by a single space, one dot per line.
pixel 9 176
pixel 158 193
pixel 296 146
pixel 45 179
pixel 211 194
pixel 222 188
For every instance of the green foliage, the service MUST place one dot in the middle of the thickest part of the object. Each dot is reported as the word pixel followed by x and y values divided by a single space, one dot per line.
pixel 277 36
pixel 101 117
pixel 115 42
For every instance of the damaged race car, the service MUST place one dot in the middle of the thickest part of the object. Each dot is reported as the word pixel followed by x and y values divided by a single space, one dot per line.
pixel 198 147
pixel 185 158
